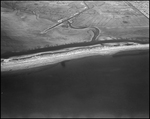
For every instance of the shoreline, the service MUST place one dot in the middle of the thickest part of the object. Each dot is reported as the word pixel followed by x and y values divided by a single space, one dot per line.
pixel 28 62
pixel 70 47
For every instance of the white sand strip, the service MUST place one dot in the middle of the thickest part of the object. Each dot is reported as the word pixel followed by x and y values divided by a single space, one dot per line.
pixel 68 55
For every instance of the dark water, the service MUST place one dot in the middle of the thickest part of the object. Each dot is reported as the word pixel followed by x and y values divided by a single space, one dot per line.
pixel 94 86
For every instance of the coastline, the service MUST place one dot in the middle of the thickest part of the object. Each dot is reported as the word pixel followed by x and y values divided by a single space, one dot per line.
pixel 33 61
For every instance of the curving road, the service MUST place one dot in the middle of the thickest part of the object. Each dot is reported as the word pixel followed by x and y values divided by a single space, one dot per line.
pixel 64 20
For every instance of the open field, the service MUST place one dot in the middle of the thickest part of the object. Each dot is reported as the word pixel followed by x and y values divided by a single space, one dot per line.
pixel 24 27
pixel 28 26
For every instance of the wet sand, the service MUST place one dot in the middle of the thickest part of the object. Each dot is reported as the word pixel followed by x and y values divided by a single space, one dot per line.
pixel 27 62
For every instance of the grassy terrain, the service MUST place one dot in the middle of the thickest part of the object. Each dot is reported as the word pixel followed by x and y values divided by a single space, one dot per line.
pixel 23 22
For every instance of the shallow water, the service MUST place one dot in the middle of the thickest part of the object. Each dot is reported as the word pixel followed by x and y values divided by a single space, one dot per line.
pixel 93 86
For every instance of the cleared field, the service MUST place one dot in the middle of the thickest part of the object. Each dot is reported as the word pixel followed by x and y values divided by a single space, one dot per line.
pixel 142 6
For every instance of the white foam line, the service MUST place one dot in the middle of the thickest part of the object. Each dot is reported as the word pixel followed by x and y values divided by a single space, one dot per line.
pixel 56 58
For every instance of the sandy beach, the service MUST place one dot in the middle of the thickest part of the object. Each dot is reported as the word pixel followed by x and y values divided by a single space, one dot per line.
pixel 23 62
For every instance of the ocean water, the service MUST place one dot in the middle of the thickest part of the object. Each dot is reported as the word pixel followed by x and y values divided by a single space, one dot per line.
pixel 89 87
